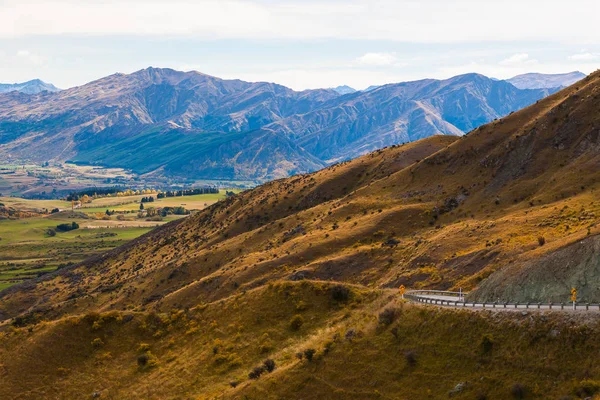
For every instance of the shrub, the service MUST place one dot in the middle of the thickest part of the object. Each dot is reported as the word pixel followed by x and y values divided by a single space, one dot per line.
pixel 487 343
pixel 256 372
pixel 518 391
pixel 142 360
pixel 51 232
pixel 67 227
pixel 147 361
pixel 541 240
pixel 143 347
pixel 387 316
pixel 309 353
pixel 296 322
pixel 411 358
pixel 340 293
pixel 269 365
pixel 587 388
pixel 97 343
pixel 234 384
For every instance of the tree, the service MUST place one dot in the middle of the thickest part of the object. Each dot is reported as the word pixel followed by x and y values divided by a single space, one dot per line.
pixel 141 206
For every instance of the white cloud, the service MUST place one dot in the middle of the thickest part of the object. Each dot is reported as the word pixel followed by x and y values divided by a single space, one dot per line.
pixel 33 58
pixel 584 57
pixel 518 60
pixel 425 21
pixel 377 59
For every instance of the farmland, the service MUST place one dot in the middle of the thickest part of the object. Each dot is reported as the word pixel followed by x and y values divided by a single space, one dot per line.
pixel 30 247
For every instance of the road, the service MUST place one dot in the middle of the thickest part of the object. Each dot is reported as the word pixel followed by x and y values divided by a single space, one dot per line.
pixel 452 300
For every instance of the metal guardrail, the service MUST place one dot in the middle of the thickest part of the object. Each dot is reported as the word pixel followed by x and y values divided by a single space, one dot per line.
pixel 420 296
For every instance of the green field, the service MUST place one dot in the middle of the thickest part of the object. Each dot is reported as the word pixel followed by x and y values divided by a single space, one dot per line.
pixel 27 251
pixel 132 203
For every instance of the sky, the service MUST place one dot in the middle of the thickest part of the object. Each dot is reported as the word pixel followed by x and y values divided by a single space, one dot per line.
pixel 301 44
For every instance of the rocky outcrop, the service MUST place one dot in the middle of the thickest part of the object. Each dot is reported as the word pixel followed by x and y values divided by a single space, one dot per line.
pixel 548 278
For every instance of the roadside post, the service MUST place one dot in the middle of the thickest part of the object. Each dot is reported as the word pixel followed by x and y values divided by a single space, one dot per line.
pixel 573 296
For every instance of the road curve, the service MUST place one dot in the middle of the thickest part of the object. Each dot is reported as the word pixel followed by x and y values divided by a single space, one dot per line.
pixel 460 300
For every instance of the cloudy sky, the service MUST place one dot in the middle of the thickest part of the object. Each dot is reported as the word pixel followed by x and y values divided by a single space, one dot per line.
pixel 300 44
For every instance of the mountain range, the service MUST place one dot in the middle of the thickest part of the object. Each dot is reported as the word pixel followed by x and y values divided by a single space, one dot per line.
pixel 192 125
pixel 30 87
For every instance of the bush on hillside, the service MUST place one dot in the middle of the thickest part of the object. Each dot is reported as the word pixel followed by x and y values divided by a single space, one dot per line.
pixel 256 372
pixel 67 227
pixel 388 316
pixel 587 388
pixel 518 391
pixel 340 293
pixel 269 365
pixel 296 322
pixel 487 343
pixel 142 360
pixel 309 354
pixel 411 358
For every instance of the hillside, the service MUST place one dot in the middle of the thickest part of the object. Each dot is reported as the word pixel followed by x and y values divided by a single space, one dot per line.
pixel 312 262
pixel 208 351
pixel 190 125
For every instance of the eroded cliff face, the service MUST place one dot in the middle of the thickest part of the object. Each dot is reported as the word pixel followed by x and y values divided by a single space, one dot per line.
pixel 550 277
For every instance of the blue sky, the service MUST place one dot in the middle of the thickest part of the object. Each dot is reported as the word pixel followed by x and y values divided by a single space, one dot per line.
pixel 300 44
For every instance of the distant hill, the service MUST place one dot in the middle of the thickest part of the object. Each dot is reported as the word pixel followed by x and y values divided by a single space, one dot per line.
pixel 344 89
pixel 371 88
pixel 30 87
pixel 192 125
pixel 546 81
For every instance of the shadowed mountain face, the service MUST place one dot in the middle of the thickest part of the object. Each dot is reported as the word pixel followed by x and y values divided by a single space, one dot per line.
pixel 30 87
pixel 546 81
pixel 191 125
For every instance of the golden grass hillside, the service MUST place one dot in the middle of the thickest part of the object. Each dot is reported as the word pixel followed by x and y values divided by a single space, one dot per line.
pixel 326 341
pixel 438 213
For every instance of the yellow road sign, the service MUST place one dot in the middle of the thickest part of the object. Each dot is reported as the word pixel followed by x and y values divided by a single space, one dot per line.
pixel 402 289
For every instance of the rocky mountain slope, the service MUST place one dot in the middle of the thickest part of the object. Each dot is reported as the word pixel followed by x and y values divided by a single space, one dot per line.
pixel 546 81
pixel 30 87
pixel 303 272
pixel 192 125
pixel 355 124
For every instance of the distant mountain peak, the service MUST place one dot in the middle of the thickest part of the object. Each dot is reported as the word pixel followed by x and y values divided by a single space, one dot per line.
pixel 344 89
pixel 33 86
pixel 534 80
